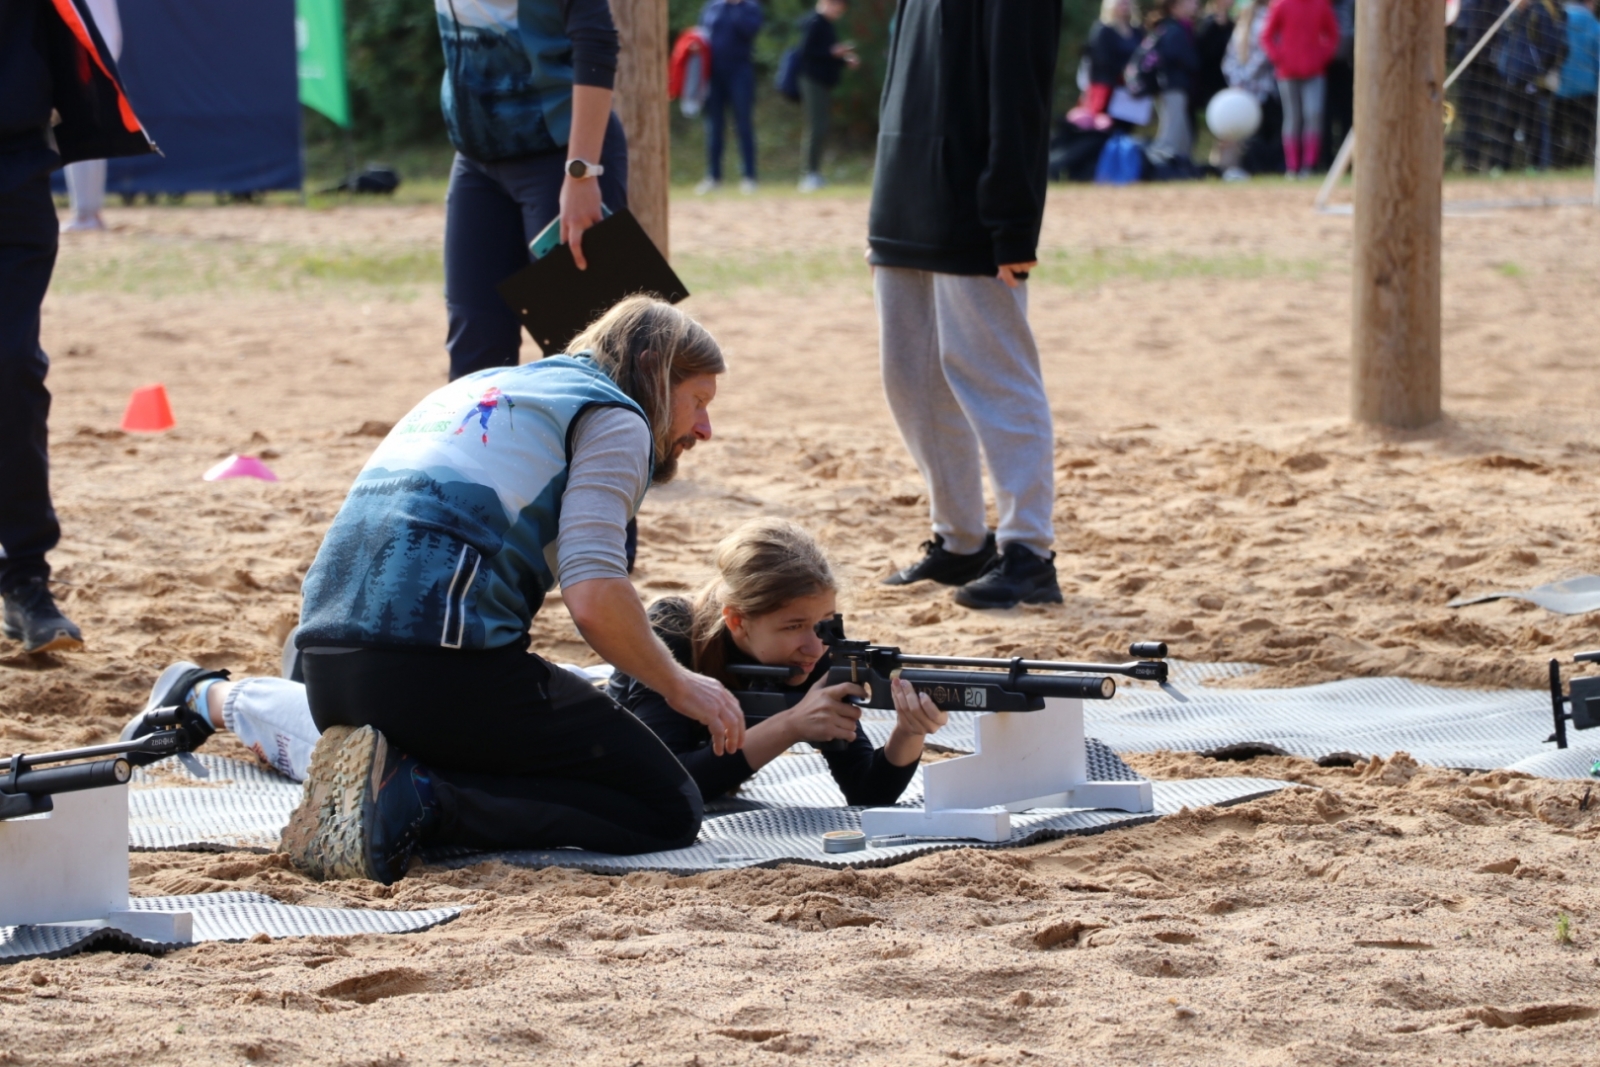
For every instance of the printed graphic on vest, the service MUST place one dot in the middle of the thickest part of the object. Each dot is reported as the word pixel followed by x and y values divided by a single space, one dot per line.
pixel 485 408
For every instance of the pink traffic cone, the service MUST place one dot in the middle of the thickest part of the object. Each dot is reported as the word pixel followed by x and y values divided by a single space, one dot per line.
pixel 240 467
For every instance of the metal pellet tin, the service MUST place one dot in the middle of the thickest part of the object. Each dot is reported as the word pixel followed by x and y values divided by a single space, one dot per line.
pixel 844 841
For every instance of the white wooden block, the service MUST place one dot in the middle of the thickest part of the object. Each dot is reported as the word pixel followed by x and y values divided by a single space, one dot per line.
pixel 977 825
pixel 71 864
pixel 166 927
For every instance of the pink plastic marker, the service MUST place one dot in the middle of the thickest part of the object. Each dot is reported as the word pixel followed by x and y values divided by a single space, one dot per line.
pixel 240 467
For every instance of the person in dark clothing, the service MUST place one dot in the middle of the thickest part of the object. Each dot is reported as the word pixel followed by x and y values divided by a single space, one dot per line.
pixel 957 204
pixel 1178 73
pixel 773 587
pixel 1479 90
pixel 527 104
pixel 53 62
pixel 823 58
pixel 1211 37
pixel 731 26
pixel 1530 51
pixel 1112 41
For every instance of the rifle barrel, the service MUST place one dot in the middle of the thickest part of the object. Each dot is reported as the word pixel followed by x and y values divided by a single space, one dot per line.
pixel 114 748
pixel 1027 664
pixel 69 779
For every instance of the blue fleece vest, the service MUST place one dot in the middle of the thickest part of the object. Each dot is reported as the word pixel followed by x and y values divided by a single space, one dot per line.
pixel 447 539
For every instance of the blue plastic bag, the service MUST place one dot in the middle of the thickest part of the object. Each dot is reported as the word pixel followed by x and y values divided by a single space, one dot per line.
pixel 1121 161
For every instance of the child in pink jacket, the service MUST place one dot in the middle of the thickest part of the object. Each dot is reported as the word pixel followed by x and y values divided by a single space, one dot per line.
pixel 1300 37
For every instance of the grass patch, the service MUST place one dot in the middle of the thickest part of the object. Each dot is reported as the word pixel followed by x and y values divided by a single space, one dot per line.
pixel 1086 269
pixel 158 268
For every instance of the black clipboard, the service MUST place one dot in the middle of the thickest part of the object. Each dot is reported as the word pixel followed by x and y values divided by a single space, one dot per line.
pixel 556 301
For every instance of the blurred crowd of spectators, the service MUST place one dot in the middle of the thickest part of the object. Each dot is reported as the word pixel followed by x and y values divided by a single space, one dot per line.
pixel 1525 101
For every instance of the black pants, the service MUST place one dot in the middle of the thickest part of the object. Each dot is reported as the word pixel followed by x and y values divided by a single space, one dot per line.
pixel 523 753
pixel 29 234
pixel 1574 132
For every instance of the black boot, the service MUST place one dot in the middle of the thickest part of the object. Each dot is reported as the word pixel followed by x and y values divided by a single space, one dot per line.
pixel 1017 576
pixel 948 568
pixel 31 616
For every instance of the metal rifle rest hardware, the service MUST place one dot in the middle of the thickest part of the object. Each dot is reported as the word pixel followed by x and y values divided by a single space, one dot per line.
pixel 1583 698
pixel 1030 743
pixel 64 835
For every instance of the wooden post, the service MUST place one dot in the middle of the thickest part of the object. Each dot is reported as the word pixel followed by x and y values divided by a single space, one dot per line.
pixel 1399 168
pixel 641 102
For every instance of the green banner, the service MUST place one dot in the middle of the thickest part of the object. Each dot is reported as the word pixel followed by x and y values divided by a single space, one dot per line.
pixel 319 44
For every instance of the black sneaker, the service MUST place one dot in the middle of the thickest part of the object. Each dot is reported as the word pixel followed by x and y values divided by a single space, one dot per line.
pixel 366 808
pixel 172 690
pixel 1017 576
pixel 948 568
pixel 31 616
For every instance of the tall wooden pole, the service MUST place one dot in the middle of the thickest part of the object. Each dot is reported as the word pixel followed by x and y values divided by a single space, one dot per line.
pixel 641 102
pixel 1399 168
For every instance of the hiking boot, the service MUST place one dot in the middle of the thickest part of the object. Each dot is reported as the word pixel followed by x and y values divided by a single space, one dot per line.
pixel 947 568
pixel 366 808
pixel 1016 576
pixel 31 616
pixel 172 690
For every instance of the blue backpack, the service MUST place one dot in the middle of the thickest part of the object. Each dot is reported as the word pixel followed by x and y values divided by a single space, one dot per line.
pixel 1121 161
pixel 788 79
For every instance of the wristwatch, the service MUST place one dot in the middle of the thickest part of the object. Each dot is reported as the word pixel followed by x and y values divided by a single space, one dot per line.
pixel 582 168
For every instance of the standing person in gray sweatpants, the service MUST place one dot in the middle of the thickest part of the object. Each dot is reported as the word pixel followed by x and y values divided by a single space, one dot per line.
pixel 957 204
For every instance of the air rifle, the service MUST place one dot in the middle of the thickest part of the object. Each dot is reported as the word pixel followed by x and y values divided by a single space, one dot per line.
pixel 953 683
pixel 27 782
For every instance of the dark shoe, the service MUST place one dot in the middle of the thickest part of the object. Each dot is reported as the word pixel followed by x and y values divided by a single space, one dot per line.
pixel 172 690
pixel 1017 576
pixel 31 616
pixel 948 568
pixel 366 808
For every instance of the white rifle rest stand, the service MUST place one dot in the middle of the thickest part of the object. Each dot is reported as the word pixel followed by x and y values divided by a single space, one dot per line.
pixel 70 866
pixel 1023 760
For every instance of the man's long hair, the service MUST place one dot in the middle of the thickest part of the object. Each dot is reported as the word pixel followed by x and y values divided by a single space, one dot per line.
pixel 648 346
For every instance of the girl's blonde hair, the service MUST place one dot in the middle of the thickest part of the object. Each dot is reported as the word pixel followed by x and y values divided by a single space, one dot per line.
pixel 761 566
pixel 647 346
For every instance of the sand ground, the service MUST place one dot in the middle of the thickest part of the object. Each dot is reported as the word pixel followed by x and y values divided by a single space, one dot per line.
pixel 1210 492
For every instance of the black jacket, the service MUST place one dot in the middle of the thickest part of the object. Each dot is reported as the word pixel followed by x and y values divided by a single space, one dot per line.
pixel 963 141
pixel 1109 53
pixel 864 774
pixel 817 61
pixel 53 59
pixel 1180 59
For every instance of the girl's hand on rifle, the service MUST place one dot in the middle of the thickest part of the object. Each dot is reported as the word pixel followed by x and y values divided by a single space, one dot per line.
pixel 916 716
pixel 824 715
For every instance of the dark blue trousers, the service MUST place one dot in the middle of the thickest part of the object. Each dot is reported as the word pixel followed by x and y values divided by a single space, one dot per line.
pixel 736 87
pixel 29 235
pixel 492 212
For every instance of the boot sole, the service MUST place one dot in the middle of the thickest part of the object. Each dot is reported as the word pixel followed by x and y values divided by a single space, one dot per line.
pixel 1040 596
pixel 324 836
pixel 61 642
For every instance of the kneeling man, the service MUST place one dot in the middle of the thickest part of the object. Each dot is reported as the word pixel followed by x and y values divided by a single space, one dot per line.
pixel 439 725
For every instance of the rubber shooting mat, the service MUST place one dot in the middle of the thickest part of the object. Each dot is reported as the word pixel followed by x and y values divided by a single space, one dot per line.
pixel 217 917
pixel 1575 596
pixel 1470 729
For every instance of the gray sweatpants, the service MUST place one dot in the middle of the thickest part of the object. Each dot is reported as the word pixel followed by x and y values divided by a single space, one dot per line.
pixel 961 372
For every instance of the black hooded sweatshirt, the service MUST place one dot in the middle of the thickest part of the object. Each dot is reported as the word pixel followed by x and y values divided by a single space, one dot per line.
pixel 964 135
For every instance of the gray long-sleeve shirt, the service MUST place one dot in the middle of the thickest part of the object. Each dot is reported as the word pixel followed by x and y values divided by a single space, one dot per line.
pixel 609 470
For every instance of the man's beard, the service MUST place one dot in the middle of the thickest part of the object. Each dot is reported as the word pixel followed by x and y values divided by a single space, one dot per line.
pixel 667 469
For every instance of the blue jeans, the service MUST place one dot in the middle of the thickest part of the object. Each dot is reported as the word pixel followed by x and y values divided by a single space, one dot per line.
pixel 492 212
pixel 736 87
pixel 29 235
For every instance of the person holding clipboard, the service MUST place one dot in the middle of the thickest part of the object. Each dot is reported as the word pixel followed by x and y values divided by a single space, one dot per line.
pixel 527 103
